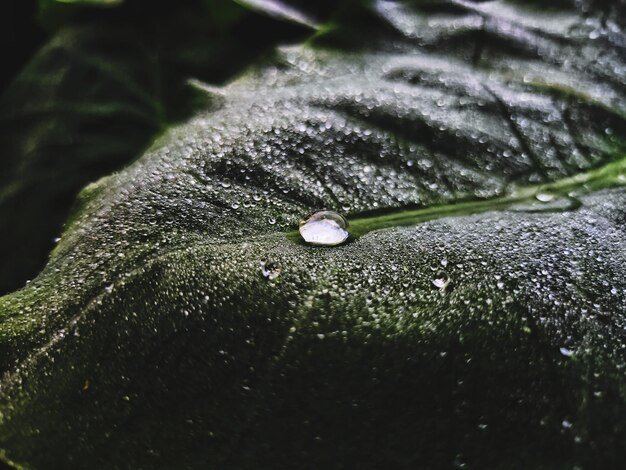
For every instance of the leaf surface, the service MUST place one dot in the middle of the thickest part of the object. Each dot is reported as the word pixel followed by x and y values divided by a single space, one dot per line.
pixel 478 143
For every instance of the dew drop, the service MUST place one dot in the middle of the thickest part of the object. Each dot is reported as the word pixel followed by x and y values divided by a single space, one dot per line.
pixel 324 228
pixel 270 270
pixel 441 280
pixel 544 197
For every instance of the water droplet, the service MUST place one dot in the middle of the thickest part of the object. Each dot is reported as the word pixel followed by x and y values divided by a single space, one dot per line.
pixel 270 270
pixel 544 197
pixel 324 228
pixel 441 280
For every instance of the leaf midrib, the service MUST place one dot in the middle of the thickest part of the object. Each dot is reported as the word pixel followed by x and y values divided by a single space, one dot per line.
pixel 609 175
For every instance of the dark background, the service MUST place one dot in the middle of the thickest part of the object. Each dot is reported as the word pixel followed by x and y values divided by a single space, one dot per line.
pixel 86 86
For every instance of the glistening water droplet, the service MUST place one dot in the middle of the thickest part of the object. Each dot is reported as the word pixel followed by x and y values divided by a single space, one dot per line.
pixel 324 228
pixel 544 197
pixel 270 270
pixel 441 280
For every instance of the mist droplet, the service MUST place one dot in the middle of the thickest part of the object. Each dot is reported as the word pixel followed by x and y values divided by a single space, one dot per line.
pixel 324 228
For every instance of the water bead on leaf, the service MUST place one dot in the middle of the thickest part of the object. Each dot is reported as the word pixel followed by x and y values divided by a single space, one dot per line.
pixel 270 270
pixel 324 228
pixel 544 197
pixel 441 280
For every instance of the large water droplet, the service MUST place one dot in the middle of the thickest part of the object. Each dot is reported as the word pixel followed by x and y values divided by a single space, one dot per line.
pixel 544 197
pixel 324 228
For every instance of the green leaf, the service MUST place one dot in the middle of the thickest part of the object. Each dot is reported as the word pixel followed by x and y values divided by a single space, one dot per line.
pixel 476 318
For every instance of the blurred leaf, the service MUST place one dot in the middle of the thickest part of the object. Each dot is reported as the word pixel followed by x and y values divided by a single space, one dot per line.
pixel 90 101
pixel 52 14
pixel 309 14
pixel 20 37
pixel 83 107
pixel 283 10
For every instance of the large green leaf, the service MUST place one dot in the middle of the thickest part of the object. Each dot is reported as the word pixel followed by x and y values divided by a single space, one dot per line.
pixel 152 339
